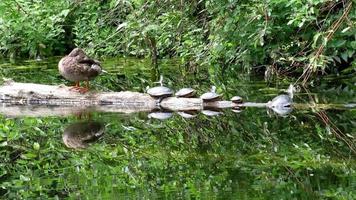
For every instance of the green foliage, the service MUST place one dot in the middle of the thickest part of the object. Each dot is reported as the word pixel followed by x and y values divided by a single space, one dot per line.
pixel 32 28
pixel 165 29
pixel 96 23
pixel 282 34
pixel 249 155
pixel 278 35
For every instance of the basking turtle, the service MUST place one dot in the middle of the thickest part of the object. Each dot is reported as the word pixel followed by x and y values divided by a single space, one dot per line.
pixel 236 99
pixel 77 66
pixel 210 96
pixel 186 92
pixel 160 91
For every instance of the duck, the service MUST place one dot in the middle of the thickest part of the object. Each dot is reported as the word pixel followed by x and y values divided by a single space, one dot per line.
pixel 77 67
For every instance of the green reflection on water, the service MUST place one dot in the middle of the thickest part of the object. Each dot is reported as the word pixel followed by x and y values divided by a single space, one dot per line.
pixel 246 155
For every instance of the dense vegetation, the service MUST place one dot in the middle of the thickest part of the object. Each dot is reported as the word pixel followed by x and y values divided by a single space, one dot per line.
pixel 309 154
pixel 278 36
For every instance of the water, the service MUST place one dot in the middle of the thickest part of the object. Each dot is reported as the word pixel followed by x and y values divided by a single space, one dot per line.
pixel 252 154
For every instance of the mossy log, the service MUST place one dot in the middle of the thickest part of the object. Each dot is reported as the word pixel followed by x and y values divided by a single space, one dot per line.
pixel 31 99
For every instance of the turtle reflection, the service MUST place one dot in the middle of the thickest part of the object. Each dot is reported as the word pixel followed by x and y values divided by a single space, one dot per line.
pixel 211 112
pixel 188 114
pixel 79 135
pixel 237 109
pixel 160 114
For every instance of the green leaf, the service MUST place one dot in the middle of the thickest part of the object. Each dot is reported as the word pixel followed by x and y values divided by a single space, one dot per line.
pixel 64 12
pixel 36 146
pixel 344 56
pixel 24 178
pixel 345 29
pixel 315 39
pixel 339 43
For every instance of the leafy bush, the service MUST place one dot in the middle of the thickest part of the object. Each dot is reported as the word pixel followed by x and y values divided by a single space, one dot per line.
pixel 32 28
pixel 278 36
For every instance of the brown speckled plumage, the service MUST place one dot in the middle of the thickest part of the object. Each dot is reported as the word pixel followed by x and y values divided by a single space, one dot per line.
pixel 77 66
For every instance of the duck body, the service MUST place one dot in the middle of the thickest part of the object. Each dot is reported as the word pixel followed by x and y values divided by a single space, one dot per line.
pixel 77 66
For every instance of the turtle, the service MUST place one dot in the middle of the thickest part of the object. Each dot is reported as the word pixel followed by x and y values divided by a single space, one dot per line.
pixel 160 91
pixel 236 99
pixel 186 92
pixel 210 96
pixel 281 104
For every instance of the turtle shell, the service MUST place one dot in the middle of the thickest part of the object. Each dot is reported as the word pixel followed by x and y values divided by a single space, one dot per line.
pixel 210 96
pixel 185 92
pixel 160 91
pixel 236 99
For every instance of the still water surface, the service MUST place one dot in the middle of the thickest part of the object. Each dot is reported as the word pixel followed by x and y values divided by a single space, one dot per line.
pixel 252 154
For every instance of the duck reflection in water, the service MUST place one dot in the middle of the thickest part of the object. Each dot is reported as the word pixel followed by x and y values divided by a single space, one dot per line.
pixel 80 135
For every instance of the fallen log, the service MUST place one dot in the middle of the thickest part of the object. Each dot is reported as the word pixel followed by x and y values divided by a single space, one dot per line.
pixel 29 99
pixel 60 95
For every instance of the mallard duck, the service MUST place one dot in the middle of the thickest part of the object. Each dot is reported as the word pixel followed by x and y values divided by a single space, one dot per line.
pixel 77 66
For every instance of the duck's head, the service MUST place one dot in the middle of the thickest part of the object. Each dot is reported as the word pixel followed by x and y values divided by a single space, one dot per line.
pixel 76 52
pixel 97 68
